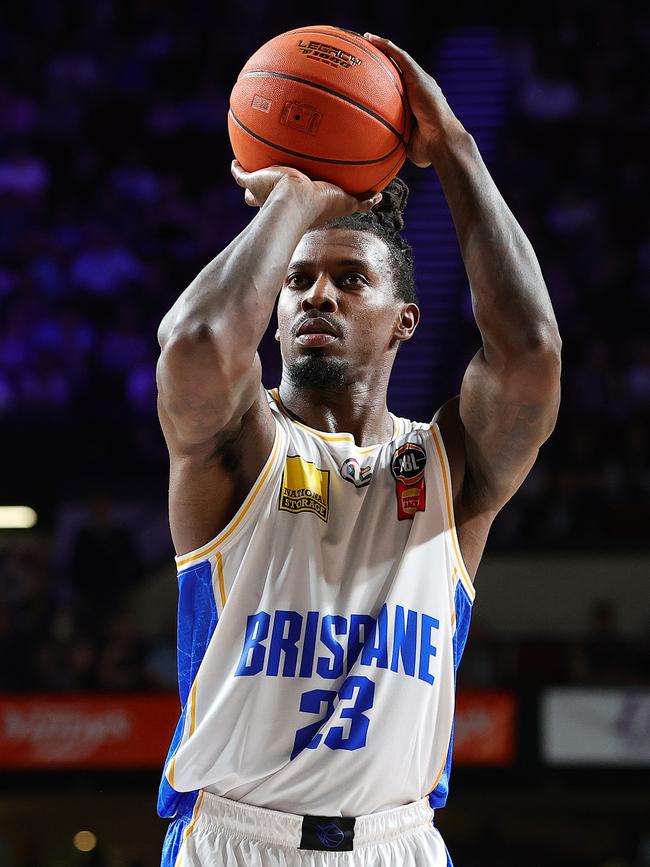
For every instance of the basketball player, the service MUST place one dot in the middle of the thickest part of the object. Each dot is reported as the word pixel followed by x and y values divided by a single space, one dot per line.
pixel 326 549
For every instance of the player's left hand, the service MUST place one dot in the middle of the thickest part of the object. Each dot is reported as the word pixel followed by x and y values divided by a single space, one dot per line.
pixel 434 118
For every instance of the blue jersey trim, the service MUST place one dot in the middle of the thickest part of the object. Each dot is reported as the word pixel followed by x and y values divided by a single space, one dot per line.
pixel 463 609
pixel 197 620
pixel 176 832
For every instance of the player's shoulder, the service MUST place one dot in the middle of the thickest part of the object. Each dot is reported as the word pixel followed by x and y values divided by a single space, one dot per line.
pixel 406 427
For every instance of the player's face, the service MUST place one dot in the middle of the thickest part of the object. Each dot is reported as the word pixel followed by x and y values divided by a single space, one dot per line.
pixel 338 300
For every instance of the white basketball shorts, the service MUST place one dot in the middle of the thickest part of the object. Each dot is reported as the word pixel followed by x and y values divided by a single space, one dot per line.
pixel 225 833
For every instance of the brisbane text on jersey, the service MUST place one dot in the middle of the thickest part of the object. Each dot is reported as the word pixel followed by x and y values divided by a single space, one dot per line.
pixel 401 640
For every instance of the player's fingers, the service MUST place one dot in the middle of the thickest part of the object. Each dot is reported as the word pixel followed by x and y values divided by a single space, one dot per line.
pixel 238 173
pixel 401 57
pixel 368 203
pixel 250 199
pixel 363 203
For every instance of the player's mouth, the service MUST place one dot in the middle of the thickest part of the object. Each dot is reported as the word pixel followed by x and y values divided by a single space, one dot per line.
pixel 316 332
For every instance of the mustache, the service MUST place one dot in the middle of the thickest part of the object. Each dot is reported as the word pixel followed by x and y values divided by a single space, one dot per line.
pixel 309 317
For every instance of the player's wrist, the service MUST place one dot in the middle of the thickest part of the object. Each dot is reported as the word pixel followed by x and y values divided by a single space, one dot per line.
pixel 302 195
pixel 450 138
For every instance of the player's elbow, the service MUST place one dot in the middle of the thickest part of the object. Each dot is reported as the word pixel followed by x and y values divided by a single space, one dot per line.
pixel 200 366
pixel 182 333
pixel 541 357
pixel 531 377
pixel 201 343
pixel 550 351
pixel 532 345
pixel 546 362
pixel 543 341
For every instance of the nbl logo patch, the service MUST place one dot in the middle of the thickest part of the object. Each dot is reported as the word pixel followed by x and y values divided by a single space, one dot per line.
pixel 407 466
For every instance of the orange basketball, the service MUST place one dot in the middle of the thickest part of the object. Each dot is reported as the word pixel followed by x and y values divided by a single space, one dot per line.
pixel 324 101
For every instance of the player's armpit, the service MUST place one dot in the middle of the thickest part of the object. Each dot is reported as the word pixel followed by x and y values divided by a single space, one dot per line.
pixel 508 409
pixel 210 479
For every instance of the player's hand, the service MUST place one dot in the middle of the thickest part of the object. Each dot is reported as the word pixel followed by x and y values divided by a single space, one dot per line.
pixel 324 201
pixel 434 118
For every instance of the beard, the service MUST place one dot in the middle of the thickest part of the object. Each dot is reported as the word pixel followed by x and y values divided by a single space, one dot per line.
pixel 318 371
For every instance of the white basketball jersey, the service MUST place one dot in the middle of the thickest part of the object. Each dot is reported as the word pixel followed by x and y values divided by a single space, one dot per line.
pixel 320 631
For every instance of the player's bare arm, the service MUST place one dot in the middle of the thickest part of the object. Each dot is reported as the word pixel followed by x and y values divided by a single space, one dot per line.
pixel 510 392
pixel 212 406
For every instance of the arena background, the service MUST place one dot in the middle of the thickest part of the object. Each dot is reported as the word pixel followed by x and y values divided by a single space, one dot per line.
pixel 114 191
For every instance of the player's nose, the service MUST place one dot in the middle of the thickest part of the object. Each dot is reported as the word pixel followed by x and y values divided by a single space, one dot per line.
pixel 320 295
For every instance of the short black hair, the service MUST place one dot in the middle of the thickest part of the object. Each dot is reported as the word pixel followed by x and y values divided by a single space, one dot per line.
pixel 386 221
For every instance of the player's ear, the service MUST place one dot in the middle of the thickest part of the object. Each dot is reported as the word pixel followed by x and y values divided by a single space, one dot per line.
pixel 407 322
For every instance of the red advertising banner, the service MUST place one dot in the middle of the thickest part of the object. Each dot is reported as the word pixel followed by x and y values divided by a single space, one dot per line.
pixel 98 731
pixel 134 731
pixel 485 729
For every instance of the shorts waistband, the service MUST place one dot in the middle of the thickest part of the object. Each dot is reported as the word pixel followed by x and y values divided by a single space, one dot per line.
pixel 293 830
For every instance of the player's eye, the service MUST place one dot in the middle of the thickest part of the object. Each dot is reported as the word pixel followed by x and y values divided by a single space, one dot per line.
pixel 296 280
pixel 354 280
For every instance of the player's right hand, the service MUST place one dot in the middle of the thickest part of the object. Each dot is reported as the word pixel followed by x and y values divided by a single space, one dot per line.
pixel 325 201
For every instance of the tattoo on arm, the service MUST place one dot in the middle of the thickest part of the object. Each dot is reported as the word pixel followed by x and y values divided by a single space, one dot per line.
pixel 506 455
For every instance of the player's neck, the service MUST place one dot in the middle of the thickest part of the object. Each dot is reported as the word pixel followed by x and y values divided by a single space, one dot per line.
pixel 357 408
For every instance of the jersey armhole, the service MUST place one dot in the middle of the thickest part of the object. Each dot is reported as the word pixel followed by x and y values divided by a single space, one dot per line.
pixel 245 511
pixel 460 571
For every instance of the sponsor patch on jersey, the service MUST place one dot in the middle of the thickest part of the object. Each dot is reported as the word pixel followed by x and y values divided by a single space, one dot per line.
pixel 411 500
pixel 305 488
pixel 352 472
pixel 407 466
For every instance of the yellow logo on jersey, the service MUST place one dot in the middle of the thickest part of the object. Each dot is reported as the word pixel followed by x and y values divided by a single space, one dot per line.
pixel 305 488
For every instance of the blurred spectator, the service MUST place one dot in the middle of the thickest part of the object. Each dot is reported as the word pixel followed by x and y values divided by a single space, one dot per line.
pixel 121 664
pixel 25 595
pixel 105 562
pixel 22 174
pixel 480 660
pixel 105 266
pixel 65 659
pixel 161 662
pixel 603 658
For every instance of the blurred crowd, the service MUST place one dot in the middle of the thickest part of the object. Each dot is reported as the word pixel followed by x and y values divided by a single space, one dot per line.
pixel 572 165
pixel 115 191
pixel 70 626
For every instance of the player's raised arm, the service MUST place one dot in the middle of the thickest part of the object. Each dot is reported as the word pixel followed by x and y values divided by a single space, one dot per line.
pixel 510 393
pixel 212 406
pixel 209 372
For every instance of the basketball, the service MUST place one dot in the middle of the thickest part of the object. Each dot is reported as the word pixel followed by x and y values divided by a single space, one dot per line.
pixel 325 101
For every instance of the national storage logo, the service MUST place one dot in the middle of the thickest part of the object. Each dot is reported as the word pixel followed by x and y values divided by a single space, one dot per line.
pixel 305 488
